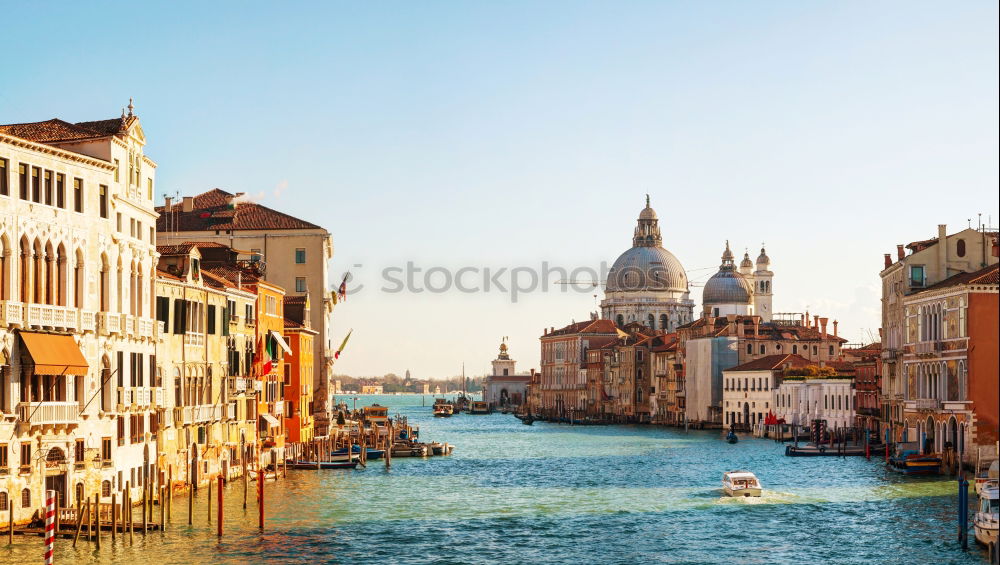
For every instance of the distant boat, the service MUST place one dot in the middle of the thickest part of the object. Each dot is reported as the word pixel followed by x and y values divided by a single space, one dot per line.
pixel 442 408
pixel 479 407
pixel 731 437
pixel 370 453
pixel 740 483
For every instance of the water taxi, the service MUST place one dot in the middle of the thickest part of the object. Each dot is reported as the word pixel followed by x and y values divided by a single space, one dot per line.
pixel 479 407
pixel 740 483
pixel 986 521
pixel 442 408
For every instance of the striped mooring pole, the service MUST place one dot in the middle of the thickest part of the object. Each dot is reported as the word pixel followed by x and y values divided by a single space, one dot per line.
pixel 50 524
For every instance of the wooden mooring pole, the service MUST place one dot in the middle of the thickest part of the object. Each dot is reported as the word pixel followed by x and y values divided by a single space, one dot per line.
pixel 97 518
pixel 114 517
pixel 79 519
pixel 260 497
pixel 219 519
pixel 209 489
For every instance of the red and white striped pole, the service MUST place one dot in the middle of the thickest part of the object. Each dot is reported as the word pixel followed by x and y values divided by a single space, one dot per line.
pixel 50 524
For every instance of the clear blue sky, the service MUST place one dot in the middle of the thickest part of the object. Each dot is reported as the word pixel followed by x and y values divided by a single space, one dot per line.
pixel 507 134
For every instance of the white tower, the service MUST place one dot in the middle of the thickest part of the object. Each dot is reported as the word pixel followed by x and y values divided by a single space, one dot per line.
pixel 503 365
pixel 762 287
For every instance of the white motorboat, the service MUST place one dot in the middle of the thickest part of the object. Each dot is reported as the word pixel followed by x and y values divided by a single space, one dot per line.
pixel 987 518
pixel 740 483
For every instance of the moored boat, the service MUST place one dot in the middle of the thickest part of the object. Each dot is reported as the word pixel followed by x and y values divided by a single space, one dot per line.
pixel 909 461
pixel 986 520
pixel 479 407
pixel 740 483
pixel 370 453
pixel 323 464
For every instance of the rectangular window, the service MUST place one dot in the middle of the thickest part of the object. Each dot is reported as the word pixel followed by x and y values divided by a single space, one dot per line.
pixel 61 190
pixel 249 314
pixel 917 275
pixel 300 255
pixel 78 195
pixel 118 166
pixel 26 456
pixel 300 284
pixel 4 187
pixel 78 452
pixel 118 222
pixel 288 374
pixel 163 310
pixel 47 176
pixel 36 184
pixel 149 189
pixel 138 230
pixel 131 227
pixel 211 319
pixel 3 456
pixel 104 201
pixel 121 430
pixel 22 176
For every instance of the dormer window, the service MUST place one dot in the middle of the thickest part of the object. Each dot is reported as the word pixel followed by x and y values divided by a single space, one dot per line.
pixel 917 275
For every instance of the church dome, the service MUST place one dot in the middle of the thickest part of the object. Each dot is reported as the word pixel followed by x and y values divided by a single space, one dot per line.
pixel 727 286
pixel 763 259
pixel 647 268
pixel 746 263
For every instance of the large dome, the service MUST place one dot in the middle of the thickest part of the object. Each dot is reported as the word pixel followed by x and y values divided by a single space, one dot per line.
pixel 647 268
pixel 727 287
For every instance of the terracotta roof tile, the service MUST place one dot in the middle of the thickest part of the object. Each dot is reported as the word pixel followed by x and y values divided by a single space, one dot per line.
pixel 988 275
pixel 56 130
pixel 212 212
pixel 772 362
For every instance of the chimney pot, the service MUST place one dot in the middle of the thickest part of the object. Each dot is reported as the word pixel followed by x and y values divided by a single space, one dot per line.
pixel 822 325
pixel 900 253
pixel 888 260
pixel 835 328
pixel 815 321
pixel 167 201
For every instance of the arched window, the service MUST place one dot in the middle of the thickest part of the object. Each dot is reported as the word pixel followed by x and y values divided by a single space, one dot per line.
pixel 620 320
pixel 26 498
pixel 106 488
pixel 79 492
pixel 3 501
pixel 651 322
pixel 663 323
pixel 795 348
pixel 749 348
pixel 960 248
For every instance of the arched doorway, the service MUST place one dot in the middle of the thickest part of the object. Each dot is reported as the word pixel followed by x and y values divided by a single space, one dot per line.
pixel 55 474
pixel 953 432
pixel 746 414
pixel 929 444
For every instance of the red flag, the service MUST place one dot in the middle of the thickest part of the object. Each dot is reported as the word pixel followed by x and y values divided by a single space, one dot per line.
pixel 342 291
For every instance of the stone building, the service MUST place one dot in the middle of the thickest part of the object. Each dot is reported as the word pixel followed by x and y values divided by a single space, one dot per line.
pixel 562 379
pixel 647 284
pixel 928 263
pixel 297 254
pixel 505 387
pixel 749 389
pixel 79 396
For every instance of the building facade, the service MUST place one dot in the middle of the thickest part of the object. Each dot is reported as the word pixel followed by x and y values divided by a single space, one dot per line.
pixel 78 393
pixel 929 262
pixel 298 371
pixel 562 383
pixel 505 388
pixel 297 255
pixel 749 389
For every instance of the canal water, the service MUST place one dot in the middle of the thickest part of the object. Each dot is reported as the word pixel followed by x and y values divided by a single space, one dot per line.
pixel 552 493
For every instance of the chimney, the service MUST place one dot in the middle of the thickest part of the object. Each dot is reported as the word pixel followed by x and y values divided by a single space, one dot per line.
pixel 822 324
pixel 167 201
pixel 756 326
pixel 942 252
pixel 835 328
pixel 188 204
pixel 808 321
pixel 816 321
pixel 802 320
pixel 900 253
pixel 545 331
pixel 739 328
pixel 888 260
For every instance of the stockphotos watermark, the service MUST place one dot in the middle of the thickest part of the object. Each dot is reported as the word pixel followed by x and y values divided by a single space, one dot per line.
pixel 515 282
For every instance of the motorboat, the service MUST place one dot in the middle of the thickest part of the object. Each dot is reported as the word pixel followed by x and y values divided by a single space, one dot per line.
pixel 479 407
pixel 909 461
pixel 370 453
pixel 987 517
pixel 740 483
pixel 323 464
pixel 443 410
pixel 987 476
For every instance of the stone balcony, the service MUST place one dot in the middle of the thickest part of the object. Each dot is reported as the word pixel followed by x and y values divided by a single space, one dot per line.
pixel 184 415
pixel 109 323
pixel 139 397
pixel 49 413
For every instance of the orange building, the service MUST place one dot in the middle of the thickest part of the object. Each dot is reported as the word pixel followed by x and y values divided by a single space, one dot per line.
pixel 298 383
pixel 984 371
pixel 271 353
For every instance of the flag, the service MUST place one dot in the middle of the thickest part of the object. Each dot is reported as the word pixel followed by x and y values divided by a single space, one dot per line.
pixel 342 291
pixel 269 354
pixel 342 344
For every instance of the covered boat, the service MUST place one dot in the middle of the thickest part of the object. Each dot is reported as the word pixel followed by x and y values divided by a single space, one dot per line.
pixel 909 461
pixel 740 483
pixel 987 518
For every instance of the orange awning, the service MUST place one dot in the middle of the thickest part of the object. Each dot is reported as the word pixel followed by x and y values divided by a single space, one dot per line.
pixel 54 354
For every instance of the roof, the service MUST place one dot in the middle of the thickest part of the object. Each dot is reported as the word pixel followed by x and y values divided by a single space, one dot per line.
pixel 178 249
pixel 587 327
pixel 988 275
pixel 56 130
pixel 231 274
pixel 213 211
pixel 772 362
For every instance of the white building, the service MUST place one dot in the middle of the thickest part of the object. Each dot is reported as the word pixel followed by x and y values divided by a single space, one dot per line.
pixel 78 388
pixel 749 389
pixel 800 400
pixel 647 284
pixel 505 387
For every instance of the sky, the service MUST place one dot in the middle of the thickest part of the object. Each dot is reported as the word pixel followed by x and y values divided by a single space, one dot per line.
pixel 512 135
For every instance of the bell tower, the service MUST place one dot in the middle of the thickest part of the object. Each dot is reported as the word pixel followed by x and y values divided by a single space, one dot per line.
pixel 503 365
pixel 762 292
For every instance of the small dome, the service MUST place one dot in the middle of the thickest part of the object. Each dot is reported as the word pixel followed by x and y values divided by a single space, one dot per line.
pixel 763 259
pixel 727 287
pixel 647 214
pixel 746 262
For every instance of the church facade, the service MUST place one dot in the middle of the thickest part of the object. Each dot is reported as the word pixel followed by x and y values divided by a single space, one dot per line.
pixel 505 388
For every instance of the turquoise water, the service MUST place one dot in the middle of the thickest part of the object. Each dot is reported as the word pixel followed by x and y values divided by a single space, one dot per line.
pixel 551 493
